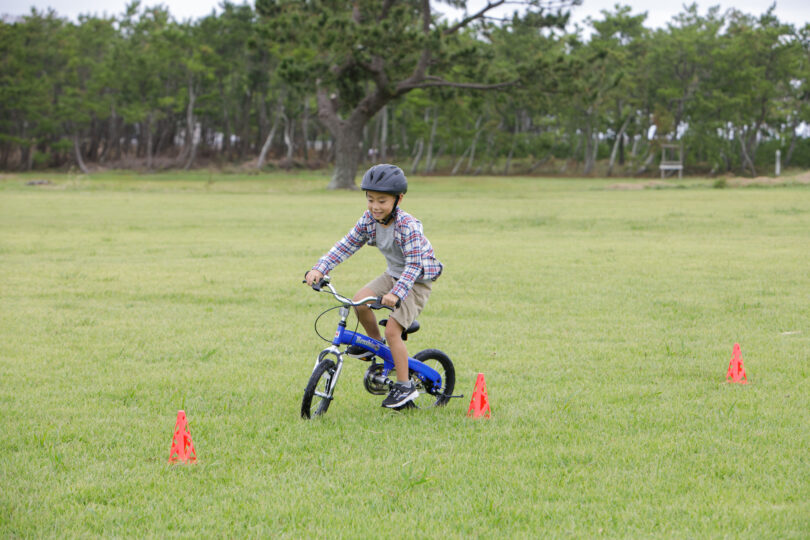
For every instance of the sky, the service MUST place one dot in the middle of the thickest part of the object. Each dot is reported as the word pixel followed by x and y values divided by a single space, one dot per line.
pixel 796 12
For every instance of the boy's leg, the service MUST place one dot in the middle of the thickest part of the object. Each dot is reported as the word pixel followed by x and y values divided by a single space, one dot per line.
pixel 377 287
pixel 366 316
pixel 393 337
pixel 404 390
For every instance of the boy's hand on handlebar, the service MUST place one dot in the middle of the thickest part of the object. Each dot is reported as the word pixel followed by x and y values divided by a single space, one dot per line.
pixel 390 300
pixel 313 276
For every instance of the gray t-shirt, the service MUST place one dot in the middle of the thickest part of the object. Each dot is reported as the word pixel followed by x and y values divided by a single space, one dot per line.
pixel 393 253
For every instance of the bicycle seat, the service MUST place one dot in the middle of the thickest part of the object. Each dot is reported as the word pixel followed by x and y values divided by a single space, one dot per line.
pixel 413 328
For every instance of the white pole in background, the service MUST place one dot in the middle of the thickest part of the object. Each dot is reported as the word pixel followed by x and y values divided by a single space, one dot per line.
pixel 778 162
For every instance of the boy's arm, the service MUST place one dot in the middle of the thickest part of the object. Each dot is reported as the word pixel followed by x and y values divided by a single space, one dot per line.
pixel 344 248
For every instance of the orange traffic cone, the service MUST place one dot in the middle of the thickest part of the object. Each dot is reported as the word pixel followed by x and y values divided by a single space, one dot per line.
pixel 736 370
pixel 479 404
pixel 182 446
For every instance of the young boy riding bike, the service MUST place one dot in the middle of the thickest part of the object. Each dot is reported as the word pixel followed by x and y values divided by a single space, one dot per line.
pixel 406 283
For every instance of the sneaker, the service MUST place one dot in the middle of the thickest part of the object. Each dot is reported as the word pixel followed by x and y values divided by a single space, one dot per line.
pixel 400 395
pixel 356 351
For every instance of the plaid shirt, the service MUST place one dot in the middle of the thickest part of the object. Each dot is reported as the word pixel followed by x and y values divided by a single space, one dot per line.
pixel 419 260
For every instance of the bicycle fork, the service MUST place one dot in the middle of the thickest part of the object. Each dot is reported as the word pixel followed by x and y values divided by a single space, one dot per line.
pixel 332 381
pixel 334 351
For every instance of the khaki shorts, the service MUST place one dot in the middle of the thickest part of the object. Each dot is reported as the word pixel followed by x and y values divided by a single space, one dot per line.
pixel 411 306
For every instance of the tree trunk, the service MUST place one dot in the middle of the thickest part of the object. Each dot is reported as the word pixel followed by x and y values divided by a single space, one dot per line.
pixel 193 155
pixel 305 130
pixel 95 141
pixel 347 156
pixel 647 163
pixel 115 134
pixel 268 142
pixel 148 128
pixel 536 165
pixel 404 132
pixel 77 152
pixel 511 148
pixel 791 148
pixel 430 166
pixel 29 158
pixel 287 136
pixel 589 161
pixel 348 134
pixel 617 144
pixel 744 150
pixel 794 125
pixel 460 161
pixel 4 159
pixel 226 136
pixel 431 141
pixel 261 107
pixel 590 155
pixel 191 143
pixel 111 136
pixel 384 135
pixel 418 147
pixel 474 143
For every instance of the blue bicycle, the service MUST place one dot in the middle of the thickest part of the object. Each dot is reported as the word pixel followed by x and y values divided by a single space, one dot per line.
pixel 430 370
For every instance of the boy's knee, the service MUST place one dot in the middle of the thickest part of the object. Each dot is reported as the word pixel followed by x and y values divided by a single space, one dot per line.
pixel 362 293
pixel 393 330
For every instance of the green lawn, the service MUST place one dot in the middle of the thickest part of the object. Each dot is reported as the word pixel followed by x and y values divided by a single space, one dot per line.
pixel 603 321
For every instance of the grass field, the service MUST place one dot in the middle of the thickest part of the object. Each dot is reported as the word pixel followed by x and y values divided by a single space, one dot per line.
pixel 603 321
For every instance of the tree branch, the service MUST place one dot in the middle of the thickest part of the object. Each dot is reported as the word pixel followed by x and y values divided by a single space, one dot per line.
pixel 435 82
pixel 377 69
pixel 470 18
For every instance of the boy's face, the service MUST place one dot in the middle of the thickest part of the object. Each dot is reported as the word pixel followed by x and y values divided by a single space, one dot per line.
pixel 380 204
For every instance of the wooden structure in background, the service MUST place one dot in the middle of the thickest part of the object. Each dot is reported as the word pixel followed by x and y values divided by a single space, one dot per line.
pixel 671 159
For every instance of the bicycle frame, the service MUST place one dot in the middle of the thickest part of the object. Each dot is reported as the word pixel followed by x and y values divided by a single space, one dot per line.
pixel 343 336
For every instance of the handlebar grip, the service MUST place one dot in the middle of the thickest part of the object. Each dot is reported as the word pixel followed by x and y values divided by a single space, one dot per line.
pixel 379 305
pixel 316 286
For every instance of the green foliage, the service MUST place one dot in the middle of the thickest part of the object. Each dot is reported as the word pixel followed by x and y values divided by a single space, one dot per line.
pixel 729 85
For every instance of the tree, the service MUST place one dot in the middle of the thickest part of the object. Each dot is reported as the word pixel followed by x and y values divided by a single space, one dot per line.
pixel 33 61
pixel 798 103
pixel 623 37
pixel 681 65
pixel 362 55
pixel 759 58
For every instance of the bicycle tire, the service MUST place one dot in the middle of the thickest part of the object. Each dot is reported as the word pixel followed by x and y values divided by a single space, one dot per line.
pixel 446 370
pixel 324 371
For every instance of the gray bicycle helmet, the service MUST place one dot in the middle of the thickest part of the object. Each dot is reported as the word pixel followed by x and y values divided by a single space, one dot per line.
pixel 386 179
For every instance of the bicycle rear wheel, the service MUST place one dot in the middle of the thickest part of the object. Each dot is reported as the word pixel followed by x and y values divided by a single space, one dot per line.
pixel 441 363
pixel 316 399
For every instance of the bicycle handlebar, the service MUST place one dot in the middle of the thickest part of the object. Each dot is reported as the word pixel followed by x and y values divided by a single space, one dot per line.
pixel 374 302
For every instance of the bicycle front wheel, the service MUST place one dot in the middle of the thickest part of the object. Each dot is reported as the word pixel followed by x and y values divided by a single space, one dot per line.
pixel 317 397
